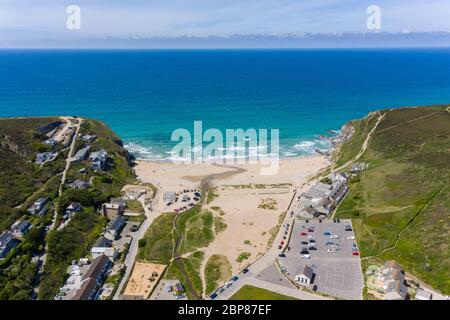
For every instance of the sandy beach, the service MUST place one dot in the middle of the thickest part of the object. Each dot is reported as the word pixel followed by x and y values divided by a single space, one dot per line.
pixel 242 193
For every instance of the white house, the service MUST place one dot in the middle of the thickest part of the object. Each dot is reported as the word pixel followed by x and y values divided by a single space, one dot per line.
pixel 305 278
pixel 104 246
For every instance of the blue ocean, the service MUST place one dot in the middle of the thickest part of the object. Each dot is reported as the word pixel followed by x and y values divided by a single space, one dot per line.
pixel 145 95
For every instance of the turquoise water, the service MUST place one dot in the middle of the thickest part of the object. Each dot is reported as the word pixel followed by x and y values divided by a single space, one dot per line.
pixel 145 95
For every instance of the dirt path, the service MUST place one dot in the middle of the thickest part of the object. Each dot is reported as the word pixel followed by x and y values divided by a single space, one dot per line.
pixel 364 145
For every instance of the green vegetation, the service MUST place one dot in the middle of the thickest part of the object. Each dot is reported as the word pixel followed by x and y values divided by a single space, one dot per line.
pixel 69 244
pixel 253 293
pixel 212 194
pixel 158 243
pixel 20 141
pixel 350 148
pixel 243 256
pixel 187 270
pixel 219 224
pixel 217 270
pixel 268 204
pixel 195 228
pixel 135 206
pixel 401 203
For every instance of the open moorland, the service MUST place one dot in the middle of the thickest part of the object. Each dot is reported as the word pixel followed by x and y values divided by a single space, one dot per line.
pixel 400 205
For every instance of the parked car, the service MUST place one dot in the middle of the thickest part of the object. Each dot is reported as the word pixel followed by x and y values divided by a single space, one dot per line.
pixel 351 238
pixel 245 270
pixel 279 247
pixel 303 234
pixel 213 296
pixel 331 250
pixel 329 243
pixel 355 253
pixel 221 290
pixel 235 278
pixel 312 248
pixel 305 256
pixel 327 233
pixel 282 255
pixel 305 243
pixel 228 284
pixel 311 237
pixel 314 288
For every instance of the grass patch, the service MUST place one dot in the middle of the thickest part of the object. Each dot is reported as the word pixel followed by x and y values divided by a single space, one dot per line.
pixel 243 256
pixel 157 244
pixel 248 292
pixel 218 269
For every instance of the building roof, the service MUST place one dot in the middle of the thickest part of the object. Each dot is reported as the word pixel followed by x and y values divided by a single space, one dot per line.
pixel 74 206
pixel 98 155
pixel 397 287
pixel 117 223
pixel 5 238
pixel 82 153
pixel 102 242
pixel 96 267
pixel 87 288
pixel 307 272
pixel 391 264
pixel 21 225
pixel 79 184
pixel 422 295
pixel 41 201
pixel 320 190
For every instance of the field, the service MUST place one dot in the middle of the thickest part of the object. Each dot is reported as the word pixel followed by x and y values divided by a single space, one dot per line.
pixel 253 293
pixel 217 270
pixel 175 240
pixel 401 203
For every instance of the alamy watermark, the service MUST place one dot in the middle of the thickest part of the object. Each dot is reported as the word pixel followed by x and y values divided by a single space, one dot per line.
pixel 237 146
pixel 73 21
pixel 374 20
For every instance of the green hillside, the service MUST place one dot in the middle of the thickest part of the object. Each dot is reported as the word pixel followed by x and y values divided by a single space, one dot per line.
pixel 401 203
pixel 22 182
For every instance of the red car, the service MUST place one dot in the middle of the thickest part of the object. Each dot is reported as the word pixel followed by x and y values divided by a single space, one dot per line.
pixel 282 242
pixel 303 234
pixel 355 253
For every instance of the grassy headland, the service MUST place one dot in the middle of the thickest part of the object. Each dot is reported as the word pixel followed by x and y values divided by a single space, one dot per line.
pixel 401 203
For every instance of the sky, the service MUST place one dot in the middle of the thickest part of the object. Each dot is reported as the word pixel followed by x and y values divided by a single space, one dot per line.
pixel 40 20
